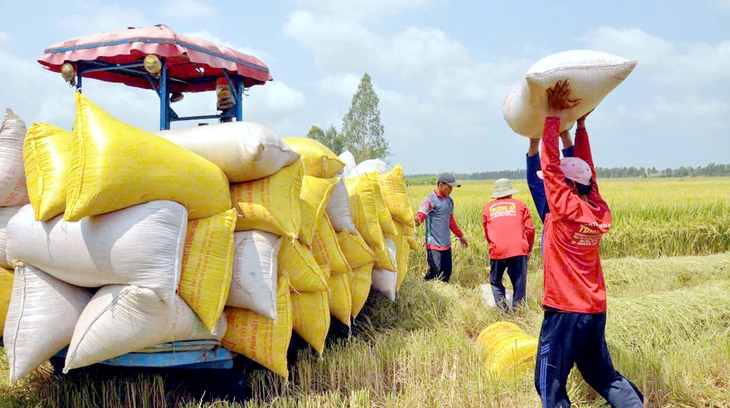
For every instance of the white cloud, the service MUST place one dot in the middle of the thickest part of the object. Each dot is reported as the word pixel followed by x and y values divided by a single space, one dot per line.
pixel 693 106
pixel 662 61
pixel 275 105
pixel 188 9
pixel 336 42
pixel 341 86
pixel 364 9
pixel 431 87
pixel 424 57
pixel 5 39
pixel 278 98
pixel 723 5
pixel 97 18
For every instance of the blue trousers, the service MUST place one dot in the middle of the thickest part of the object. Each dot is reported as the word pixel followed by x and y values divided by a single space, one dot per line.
pixel 439 264
pixel 516 268
pixel 568 338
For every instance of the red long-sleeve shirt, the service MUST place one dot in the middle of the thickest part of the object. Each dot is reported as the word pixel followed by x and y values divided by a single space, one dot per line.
pixel 573 277
pixel 508 228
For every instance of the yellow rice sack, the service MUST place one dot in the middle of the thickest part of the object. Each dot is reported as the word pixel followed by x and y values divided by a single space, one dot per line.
pixel 326 248
pixel 311 317
pixel 326 271
pixel 384 218
pixel 402 256
pixel 510 350
pixel 315 195
pixel 319 160
pixel 298 262
pixel 395 195
pixel 340 298
pixel 363 209
pixel 47 155
pixel 410 234
pixel 356 250
pixel 6 289
pixel 362 280
pixel 207 266
pixel 270 204
pixel 116 166
pixel 385 258
pixel 259 338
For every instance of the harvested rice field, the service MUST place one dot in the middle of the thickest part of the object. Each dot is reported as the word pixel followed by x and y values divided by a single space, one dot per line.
pixel 667 267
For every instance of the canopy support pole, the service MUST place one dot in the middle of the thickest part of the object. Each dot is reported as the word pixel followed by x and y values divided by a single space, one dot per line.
pixel 239 98
pixel 164 97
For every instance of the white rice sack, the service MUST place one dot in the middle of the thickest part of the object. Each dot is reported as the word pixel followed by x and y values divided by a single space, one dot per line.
pixel 253 286
pixel 367 166
pixel 121 319
pixel 243 150
pixel 385 281
pixel 140 245
pixel 338 208
pixel 592 75
pixel 488 296
pixel 13 189
pixel 6 213
pixel 350 168
pixel 41 318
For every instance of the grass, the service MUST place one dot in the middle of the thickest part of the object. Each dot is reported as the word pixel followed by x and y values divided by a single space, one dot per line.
pixel 667 270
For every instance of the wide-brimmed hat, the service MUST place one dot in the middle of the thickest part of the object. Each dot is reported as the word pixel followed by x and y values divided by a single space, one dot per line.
pixel 503 188
pixel 449 179
pixel 574 168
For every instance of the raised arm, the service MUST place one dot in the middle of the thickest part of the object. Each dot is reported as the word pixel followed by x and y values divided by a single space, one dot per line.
pixel 583 145
pixel 568 148
pixel 560 198
pixel 534 183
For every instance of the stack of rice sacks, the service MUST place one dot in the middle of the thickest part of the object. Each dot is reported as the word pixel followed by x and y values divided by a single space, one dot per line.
pixel 104 254
pixel 222 233
pixel 13 195
pixel 381 211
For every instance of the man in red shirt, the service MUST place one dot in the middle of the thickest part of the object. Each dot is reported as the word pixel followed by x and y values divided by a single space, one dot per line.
pixel 574 302
pixel 437 209
pixel 509 231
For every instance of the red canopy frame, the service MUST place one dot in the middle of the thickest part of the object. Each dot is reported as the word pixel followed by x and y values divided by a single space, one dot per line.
pixel 189 64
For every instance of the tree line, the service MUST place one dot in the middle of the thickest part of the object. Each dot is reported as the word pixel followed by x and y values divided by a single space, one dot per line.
pixel 711 170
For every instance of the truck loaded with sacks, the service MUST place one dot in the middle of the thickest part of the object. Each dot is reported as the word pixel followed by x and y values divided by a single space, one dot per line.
pixel 186 247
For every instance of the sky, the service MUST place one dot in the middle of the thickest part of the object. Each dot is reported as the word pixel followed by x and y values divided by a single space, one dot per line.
pixel 440 68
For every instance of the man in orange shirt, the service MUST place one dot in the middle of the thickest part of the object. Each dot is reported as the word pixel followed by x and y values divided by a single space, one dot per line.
pixel 574 302
pixel 509 231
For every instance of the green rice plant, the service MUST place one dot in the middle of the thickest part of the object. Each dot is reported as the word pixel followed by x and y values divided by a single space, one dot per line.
pixel 650 218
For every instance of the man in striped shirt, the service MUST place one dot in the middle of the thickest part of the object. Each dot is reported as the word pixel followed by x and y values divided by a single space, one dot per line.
pixel 437 209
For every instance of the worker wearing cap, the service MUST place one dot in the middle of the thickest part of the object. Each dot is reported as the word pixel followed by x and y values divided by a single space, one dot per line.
pixel 509 231
pixel 437 209
pixel 574 300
